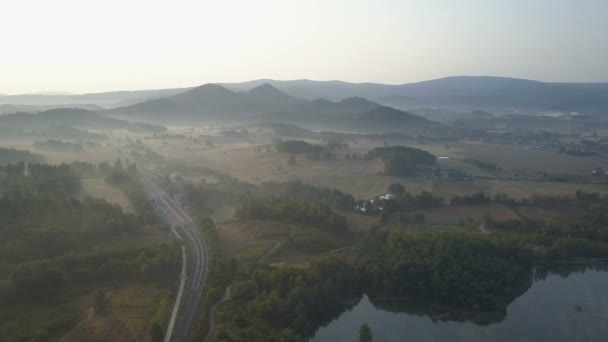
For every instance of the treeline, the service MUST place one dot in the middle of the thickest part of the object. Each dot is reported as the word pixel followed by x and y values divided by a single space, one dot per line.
pixel 58 145
pixel 484 165
pixel 426 200
pixel 300 190
pixel 13 156
pixel 401 160
pixel 292 211
pixel 105 168
pixel 42 181
pixel 297 147
pixel 312 151
pixel 68 132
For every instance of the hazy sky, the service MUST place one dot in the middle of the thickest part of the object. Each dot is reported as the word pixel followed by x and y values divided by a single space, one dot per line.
pixel 98 45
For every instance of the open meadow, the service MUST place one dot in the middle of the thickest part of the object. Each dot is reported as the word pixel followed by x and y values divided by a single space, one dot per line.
pixel 253 158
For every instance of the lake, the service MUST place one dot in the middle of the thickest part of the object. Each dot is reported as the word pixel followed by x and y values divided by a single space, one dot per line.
pixel 559 307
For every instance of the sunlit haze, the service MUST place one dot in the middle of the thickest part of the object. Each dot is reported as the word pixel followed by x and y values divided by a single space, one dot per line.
pixel 310 170
pixel 91 46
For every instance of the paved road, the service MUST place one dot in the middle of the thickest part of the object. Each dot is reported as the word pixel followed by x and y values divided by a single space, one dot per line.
pixel 178 298
pixel 173 215
pixel 212 313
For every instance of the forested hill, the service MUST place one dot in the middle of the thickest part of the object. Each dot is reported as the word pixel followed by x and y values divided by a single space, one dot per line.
pixel 208 101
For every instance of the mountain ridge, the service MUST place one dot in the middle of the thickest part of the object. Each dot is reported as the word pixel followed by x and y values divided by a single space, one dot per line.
pixel 470 92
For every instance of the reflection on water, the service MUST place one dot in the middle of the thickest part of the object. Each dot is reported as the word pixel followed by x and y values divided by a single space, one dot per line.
pixel 566 304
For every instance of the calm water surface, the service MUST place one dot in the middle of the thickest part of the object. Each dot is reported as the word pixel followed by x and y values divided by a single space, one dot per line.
pixel 546 312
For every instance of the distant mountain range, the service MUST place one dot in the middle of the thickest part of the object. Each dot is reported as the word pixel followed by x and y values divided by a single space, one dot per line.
pixel 462 91
pixel 10 108
pixel 106 100
pixel 471 92
pixel 217 104
pixel 336 104
pixel 71 117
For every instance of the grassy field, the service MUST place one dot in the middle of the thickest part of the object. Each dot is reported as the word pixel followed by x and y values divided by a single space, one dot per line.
pixel 251 239
pixel 248 160
pixel 548 188
pixel 516 156
pixel 279 243
pixel 359 223
pixel 548 214
pixel 452 216
pixel 99 188
pixel 526 189
pixel 223 214
pixel 248 163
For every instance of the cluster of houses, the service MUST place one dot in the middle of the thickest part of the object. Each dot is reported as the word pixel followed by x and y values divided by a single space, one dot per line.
pixel 599 175
pixel 373 205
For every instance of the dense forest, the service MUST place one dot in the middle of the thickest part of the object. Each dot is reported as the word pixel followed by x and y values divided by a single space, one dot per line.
pixel 293 211
pixel 52 246
pixel 401 160
pixel 286 303
pixel 488 274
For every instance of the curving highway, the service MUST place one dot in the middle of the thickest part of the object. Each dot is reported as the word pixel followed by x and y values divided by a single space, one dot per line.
pixel 184 313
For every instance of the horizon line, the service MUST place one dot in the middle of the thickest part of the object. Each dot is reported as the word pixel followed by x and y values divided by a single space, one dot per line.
pixel 53 93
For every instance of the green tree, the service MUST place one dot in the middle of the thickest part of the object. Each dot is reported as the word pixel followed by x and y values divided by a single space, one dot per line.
pixel 396 189
pixel 365 333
